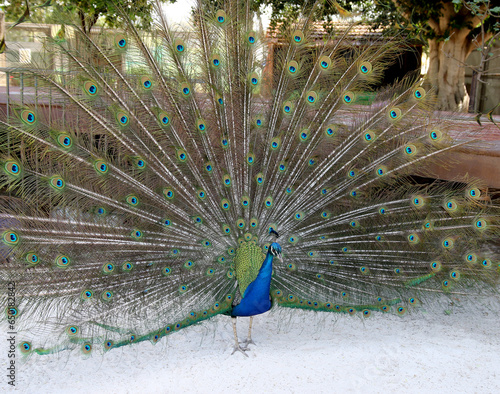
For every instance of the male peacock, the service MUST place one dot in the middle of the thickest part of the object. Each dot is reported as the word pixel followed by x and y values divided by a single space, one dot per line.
pixel 139 201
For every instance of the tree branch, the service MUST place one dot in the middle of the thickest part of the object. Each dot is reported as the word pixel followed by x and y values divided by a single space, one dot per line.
pixel 82 20
pixel 93 21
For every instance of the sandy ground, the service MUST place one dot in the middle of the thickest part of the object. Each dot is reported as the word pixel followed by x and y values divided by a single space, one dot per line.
pixel 296 352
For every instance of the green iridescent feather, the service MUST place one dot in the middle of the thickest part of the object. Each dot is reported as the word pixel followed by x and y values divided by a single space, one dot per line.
pixel 247 261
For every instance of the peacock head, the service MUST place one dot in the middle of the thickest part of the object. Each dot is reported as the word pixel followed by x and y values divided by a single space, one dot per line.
pixel 275 250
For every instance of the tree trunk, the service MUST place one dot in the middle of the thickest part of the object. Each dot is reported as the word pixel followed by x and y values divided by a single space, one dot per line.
pixel 448 52
pixel 447 70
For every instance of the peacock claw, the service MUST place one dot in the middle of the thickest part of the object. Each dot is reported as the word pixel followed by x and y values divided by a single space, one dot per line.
pixel 248 341
pixel 239 349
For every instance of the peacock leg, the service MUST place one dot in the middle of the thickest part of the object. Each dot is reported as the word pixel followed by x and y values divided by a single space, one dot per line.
pixel 237 346
pixel 249 340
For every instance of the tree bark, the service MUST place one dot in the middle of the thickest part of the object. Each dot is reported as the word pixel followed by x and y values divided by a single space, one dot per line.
pixel 447 70
pixel 448 52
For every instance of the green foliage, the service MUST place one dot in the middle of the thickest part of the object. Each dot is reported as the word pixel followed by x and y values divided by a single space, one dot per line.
pixel 464 14
pixel 89 12
pixel 412 14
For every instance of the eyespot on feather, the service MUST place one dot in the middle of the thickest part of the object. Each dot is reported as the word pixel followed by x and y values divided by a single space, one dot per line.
pixel 418 93
pixel 331 130
pixel 225 204
pixel 324 63
pixel 25 347
pixel 185 89
pixel 107 295
pixel 410 150
pixel 288 107
pixel 146 82
pixel 181 155
pixel 64 140
pixel 90 88
pixel 108 268
pixel 122 118
pixel 132 200
pixel 298 37
pixel 292 68
pixel 473 193
pixel 275 143
pixel 201 126
pixel 254 79
pixel 10 237
pixel 57 183
pixel 215 61
pixel 365 68
pixel 311 97
pixel 12 168
pixel 220 17
pixel 32 258
pixel 101 167
pixel 168 193
pixel 28 117
pixel 62 261
pixel 395 113
pixel 201 194
pixel 251 37
pixel 349 97
pixel 179 45
pixel 121 41
pixel 268 202
pixel 435 135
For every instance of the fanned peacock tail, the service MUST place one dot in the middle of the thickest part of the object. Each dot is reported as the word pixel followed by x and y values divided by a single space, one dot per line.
pixel 140 202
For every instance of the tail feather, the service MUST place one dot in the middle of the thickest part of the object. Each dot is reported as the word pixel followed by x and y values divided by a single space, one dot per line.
pixel 132 195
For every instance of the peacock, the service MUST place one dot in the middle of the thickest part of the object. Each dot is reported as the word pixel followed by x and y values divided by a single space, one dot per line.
pixel 160 178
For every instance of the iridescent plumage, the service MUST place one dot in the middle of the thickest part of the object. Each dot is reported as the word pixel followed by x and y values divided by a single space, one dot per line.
pixel 141 199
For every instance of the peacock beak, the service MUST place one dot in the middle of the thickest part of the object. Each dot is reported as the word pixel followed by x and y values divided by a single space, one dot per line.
pixel 280 257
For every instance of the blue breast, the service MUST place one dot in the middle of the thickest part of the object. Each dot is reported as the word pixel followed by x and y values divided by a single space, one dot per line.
pixel 256 299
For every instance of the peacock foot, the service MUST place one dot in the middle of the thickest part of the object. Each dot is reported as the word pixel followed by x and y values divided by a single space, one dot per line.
pixel 248 341
pixel 239 349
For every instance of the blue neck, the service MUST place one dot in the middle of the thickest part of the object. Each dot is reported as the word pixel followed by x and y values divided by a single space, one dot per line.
pixel 265 273
pixel 256 299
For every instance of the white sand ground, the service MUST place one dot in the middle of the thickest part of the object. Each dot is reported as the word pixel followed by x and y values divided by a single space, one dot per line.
pixel 296 352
